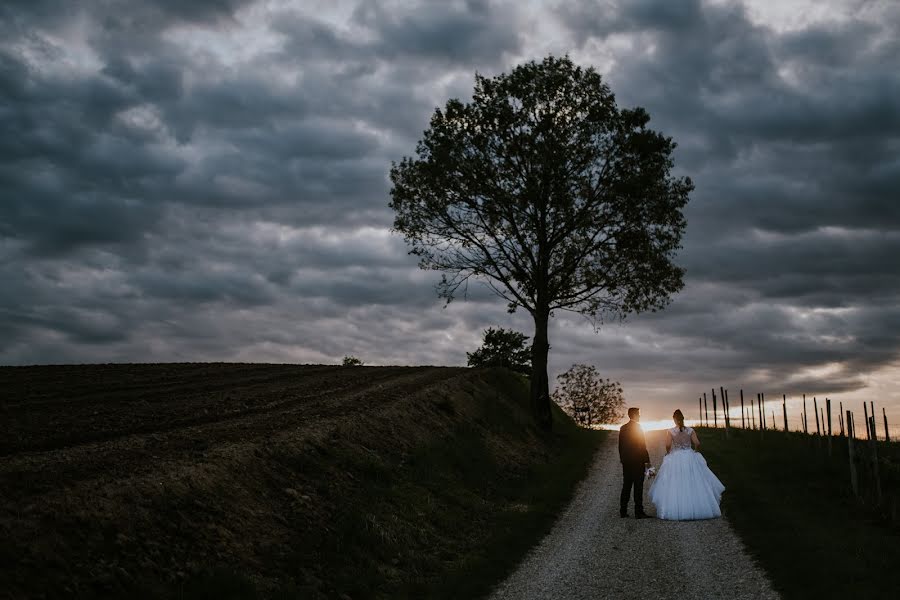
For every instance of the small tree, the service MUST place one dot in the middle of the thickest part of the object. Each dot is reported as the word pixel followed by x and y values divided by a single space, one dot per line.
pixel 588 398
pixel 502 348
pixel 351 361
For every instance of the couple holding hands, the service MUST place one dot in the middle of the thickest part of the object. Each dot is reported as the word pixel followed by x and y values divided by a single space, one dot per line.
pixel 684 489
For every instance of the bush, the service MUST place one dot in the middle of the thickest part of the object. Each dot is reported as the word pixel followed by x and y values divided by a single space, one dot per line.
pixel 351 361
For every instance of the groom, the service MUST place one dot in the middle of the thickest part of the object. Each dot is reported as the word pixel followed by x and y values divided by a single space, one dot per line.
pixel 634 456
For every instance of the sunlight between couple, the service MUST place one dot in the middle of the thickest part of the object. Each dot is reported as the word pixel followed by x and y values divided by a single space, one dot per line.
pixel 685 489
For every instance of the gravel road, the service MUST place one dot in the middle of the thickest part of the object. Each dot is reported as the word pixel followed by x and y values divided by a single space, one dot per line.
pixel 593 553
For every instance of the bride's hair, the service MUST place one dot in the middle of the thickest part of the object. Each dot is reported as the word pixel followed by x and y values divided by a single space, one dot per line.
pixel 679 418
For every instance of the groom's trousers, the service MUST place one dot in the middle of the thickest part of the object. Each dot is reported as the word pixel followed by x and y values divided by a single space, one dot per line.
pixel 632 478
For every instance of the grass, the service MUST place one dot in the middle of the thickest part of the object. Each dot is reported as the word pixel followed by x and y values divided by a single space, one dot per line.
pixel 792 506
pixel 456 517
pixel 532 505
pixel 440 503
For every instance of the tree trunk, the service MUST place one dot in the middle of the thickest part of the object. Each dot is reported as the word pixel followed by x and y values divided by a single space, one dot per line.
pixel 540 385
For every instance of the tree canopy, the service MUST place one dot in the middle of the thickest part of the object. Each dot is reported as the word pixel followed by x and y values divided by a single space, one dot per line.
pixel 589 398
pixel 545 190
pixel 502 348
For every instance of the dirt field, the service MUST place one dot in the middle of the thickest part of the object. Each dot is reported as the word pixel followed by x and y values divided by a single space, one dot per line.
pixel 110 474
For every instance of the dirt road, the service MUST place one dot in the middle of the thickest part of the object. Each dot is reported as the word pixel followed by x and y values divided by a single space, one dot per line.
pixel 593 553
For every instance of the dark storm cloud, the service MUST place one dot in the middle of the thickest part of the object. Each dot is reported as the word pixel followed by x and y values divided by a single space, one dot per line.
pixel 69 178
pixel 451 32
pixel 792 142
pixel 208 180
pixel 93 158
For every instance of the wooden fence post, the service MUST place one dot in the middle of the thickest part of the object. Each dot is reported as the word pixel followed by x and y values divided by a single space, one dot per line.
pixel 784 408
pixel 706 409
pixel 727 408
pixel 752 414
pixel 743 421
pixel 762 400
pixel 774 427
pixel 866 416
pixel 841 414
pixel 854 482
pixel 887 432
pixel 758 410
pixel 715 409
pixel 828 406
pixel 762 415
pixel 816 410
pixel 700 411
pixel 872 414
pixel 805 422
pixel 875 468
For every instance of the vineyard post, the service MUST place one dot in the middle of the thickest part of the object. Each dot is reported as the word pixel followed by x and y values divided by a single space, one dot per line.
pixel 715 409
pixel 841 413
pixel 854 482
pixel 762 407
pixel 805 421
pixel 818 429
pixel 743 421
pixel 727 408
pixel 887 432
pixel 866 417
pixel 752 413
pixel 875 468
pixel 784 408
pixel 872 414
pixel 816 410
pixel 706 409
pixel 762 418
pixel 828 407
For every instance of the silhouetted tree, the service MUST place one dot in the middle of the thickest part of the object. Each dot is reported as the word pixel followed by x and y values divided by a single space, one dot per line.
pixel 502 348
pixel 351 361
pixel 545 190
pixel 588 398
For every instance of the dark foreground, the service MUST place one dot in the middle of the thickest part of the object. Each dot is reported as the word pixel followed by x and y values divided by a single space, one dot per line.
pixel 244 481
pixel 793 507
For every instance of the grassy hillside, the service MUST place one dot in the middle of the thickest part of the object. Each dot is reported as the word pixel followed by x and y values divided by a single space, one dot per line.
pixel 448 510
pixel 793 508
pixel 434 486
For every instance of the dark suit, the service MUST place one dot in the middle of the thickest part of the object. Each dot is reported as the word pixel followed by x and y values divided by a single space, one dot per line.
pixel 633 454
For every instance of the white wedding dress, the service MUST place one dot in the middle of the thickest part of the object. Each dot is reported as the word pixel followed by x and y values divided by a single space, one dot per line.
pixel 685 489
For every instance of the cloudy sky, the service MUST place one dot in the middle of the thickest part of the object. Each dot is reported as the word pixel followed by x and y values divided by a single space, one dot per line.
pixel 207 180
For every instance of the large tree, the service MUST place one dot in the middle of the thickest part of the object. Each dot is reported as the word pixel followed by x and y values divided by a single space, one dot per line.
pixel 548 192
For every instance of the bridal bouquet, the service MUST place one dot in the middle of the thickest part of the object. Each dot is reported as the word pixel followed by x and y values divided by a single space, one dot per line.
pixel 650 472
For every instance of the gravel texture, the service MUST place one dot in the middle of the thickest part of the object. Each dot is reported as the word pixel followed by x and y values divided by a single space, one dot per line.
pixel 593 553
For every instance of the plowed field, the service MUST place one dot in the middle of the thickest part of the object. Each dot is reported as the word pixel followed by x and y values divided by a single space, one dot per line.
pixel 80 447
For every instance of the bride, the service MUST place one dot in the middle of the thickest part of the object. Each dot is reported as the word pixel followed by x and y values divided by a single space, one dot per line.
pixel 685 488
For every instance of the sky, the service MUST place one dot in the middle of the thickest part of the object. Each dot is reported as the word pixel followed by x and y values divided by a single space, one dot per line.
pixel 208 181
